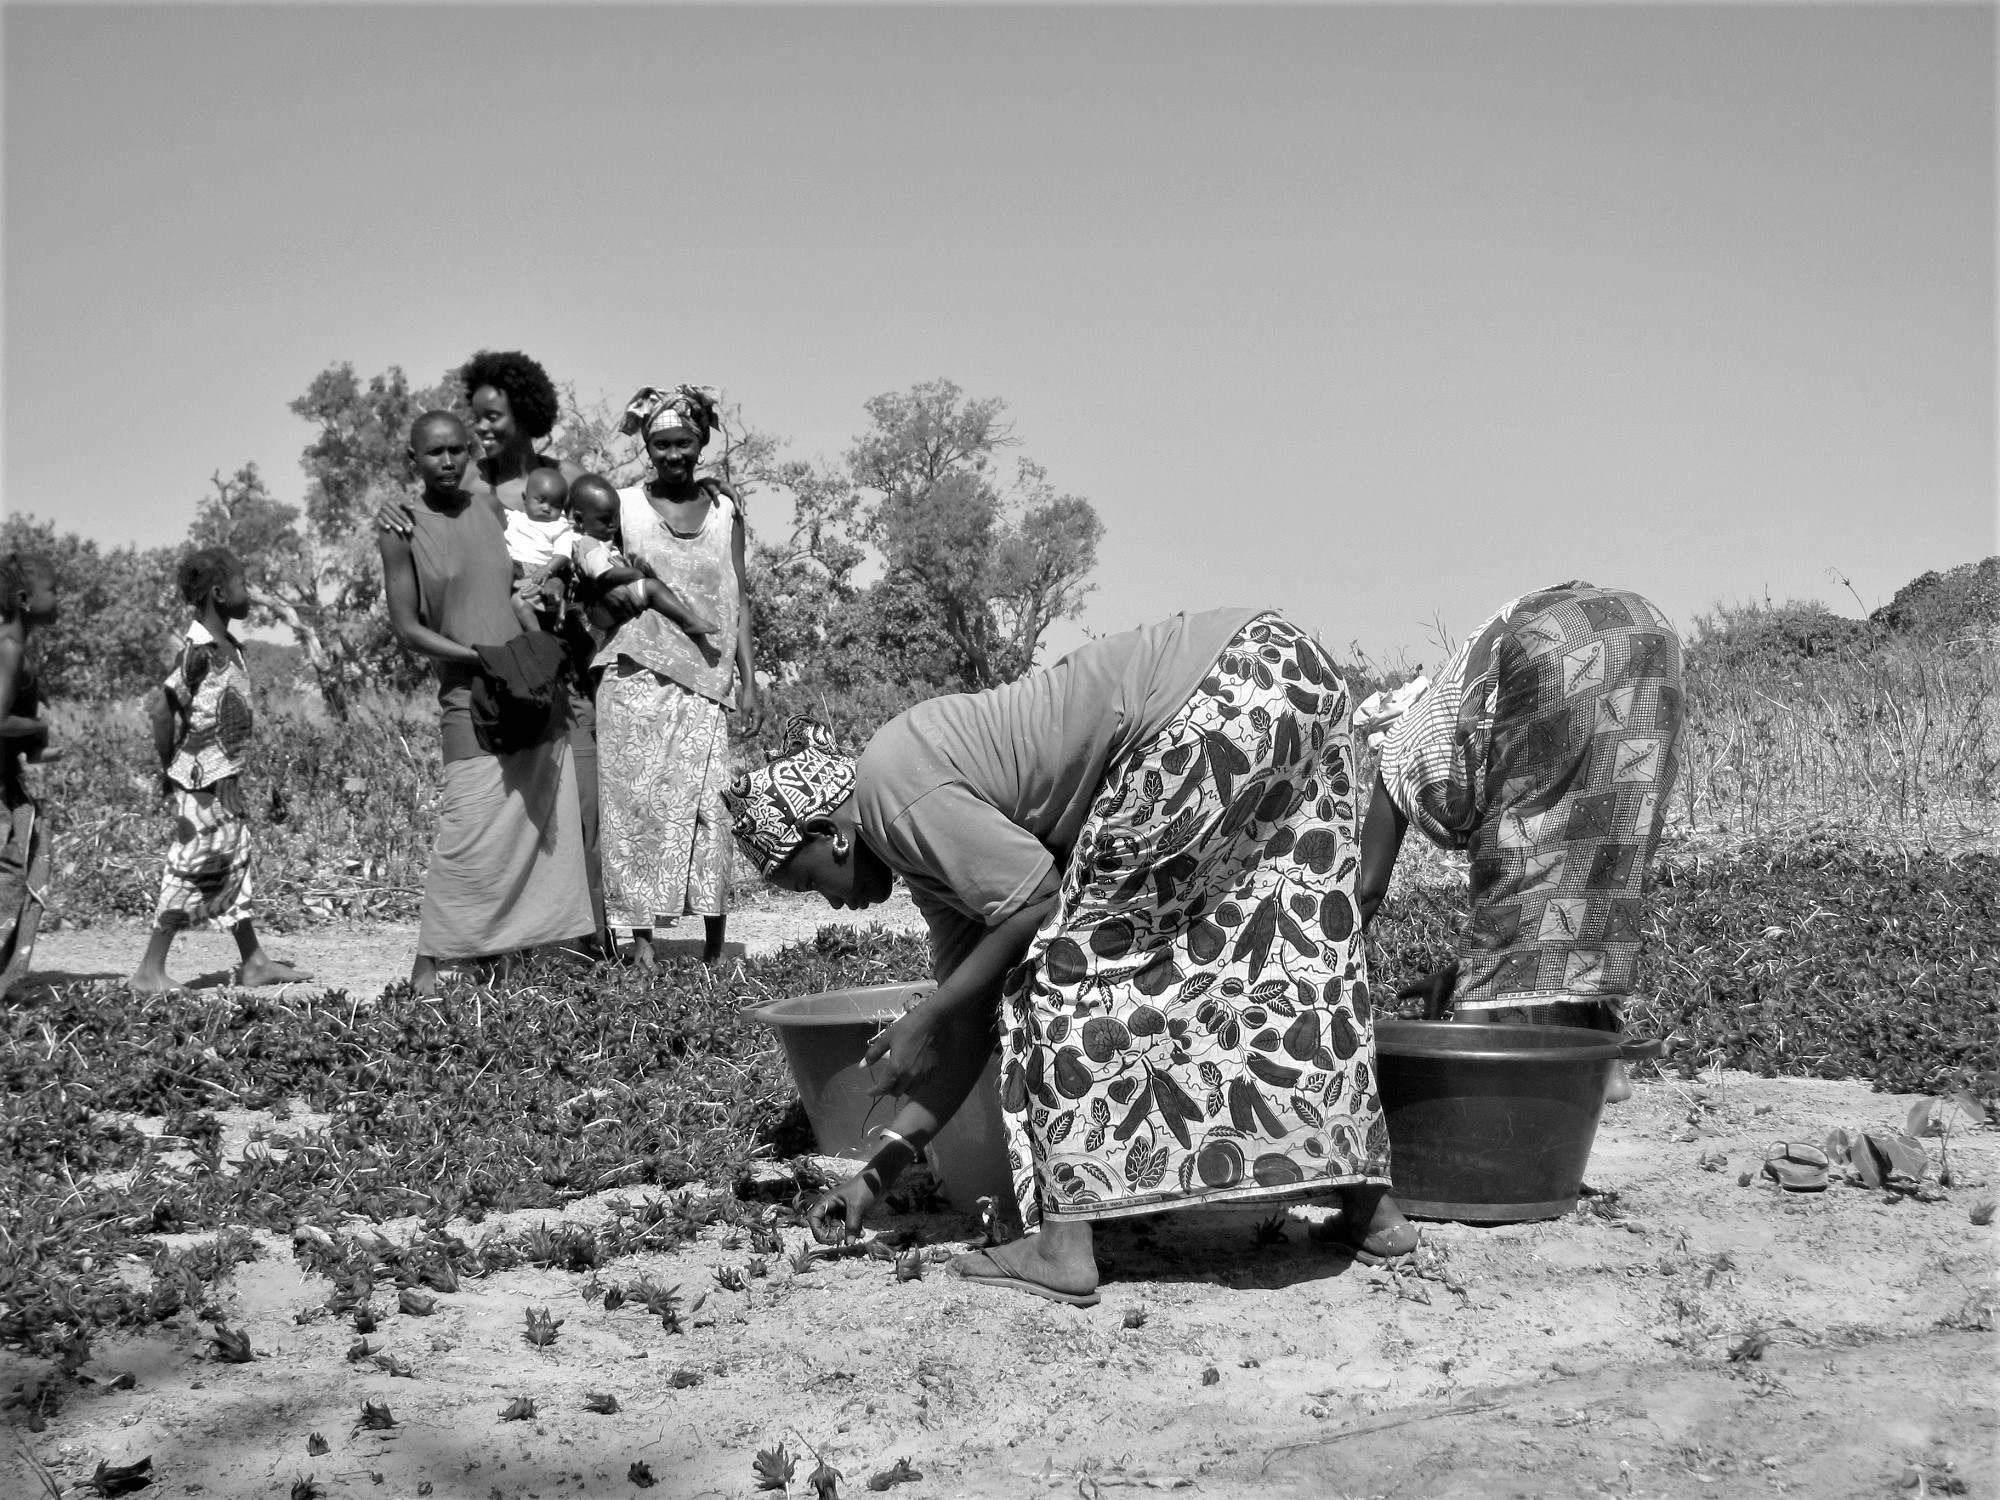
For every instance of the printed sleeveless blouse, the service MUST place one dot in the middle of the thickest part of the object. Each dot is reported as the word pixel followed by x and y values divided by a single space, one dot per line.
pixel 700 569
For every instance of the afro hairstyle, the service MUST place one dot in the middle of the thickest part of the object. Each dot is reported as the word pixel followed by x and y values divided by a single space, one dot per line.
pixel 530 394
pixel 204 570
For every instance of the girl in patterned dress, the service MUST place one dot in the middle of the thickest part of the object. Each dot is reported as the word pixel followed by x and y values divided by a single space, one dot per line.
pixel 1545 750
pixel 201 727
pixel 1137 867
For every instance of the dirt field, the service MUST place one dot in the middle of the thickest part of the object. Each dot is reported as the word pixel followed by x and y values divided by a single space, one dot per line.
pixel 1583 1357
pixel 362 959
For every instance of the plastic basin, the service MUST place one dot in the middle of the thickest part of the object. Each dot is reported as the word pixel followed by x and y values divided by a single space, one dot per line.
pixel 1493 1124
pixel 825 1037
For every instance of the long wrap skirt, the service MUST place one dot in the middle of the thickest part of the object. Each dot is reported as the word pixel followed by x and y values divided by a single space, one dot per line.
pixel 507 871
pixel 1192 1024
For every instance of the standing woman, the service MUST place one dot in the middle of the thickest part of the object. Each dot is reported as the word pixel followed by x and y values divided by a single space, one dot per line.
pixel 1545 751
pixel 507 871
pixel 1138 865
pixel 27 602
pixel 514 406
pixel 664 700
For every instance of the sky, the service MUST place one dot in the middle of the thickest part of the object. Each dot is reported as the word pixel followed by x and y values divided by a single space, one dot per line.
pixel 1380 315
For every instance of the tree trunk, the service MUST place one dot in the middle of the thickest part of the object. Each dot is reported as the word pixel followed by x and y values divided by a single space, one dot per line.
pixel 326 672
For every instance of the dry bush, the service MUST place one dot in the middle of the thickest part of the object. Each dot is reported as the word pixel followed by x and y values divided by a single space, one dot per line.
pixel 1893 735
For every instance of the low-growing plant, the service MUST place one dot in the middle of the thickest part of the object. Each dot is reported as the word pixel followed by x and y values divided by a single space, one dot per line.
pixel 453 1107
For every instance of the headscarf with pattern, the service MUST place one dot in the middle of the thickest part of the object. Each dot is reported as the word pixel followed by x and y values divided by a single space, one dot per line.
pixel 769 808
pixel 689 406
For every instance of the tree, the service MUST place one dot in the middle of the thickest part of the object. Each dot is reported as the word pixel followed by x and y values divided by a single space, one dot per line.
pixel 997 567
pixel 973 574
pixel 120 611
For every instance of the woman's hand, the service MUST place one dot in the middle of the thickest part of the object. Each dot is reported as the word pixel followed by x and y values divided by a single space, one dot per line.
pixel 1435 988
pixel 749 711
pixel 835 1216
pixel 396 513
pixel 908 1051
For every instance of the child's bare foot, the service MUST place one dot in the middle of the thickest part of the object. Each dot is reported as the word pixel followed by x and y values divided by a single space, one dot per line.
pixel 151 979
pixel 260 969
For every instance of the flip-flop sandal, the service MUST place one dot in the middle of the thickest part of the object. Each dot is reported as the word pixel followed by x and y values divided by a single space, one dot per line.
pixel 1327 1232
pixel 1796 1167
pixel 1015 1281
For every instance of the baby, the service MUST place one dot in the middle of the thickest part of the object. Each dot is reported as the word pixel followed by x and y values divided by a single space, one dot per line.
pixel 594 550
pixel 539 537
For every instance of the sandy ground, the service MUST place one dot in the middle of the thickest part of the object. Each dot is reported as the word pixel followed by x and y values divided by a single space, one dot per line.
pixel 362 958
pixel 1582 1357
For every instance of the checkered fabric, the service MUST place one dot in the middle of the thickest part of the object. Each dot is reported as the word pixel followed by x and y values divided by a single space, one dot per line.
pixel 1586 727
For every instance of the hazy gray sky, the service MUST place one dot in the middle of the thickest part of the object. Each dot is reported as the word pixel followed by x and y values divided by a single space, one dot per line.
pixel 1370 313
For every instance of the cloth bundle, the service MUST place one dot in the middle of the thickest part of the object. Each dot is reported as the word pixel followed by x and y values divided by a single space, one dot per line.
pixel 517 697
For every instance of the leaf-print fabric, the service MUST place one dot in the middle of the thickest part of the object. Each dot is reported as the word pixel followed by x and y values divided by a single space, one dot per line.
pixel 1192 1024
pixel 662 831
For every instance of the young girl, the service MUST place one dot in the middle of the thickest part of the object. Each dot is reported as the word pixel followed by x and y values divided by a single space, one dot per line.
pixel 201 728
pixel 27 600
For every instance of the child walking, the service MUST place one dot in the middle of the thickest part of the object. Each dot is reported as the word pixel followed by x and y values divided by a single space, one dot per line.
pixel 201 728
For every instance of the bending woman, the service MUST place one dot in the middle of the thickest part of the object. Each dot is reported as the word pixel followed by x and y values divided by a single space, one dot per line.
pixel 507 871
pixel 1139 865
pixel 663 702
pixel 1545 751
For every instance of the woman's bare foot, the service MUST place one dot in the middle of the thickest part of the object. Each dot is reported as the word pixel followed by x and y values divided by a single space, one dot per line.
pixel 643 956
pixel 1058 1259
pixel 1618 1088
pixel 424 976
pixel 260 968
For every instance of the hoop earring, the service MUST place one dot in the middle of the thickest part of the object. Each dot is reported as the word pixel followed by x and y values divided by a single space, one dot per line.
pixel 841 845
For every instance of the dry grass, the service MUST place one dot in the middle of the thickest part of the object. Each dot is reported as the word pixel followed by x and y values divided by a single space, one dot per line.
pixel 1899 740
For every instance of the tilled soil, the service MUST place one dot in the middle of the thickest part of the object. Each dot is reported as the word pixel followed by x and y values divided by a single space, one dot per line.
pixel 1689 1337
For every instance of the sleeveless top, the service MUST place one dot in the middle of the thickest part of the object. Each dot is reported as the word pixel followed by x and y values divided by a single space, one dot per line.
pixel 27 705
pixel 702 571
pixel 465 590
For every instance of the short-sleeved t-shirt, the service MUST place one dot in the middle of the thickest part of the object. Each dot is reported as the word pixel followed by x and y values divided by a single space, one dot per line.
pixel 977 799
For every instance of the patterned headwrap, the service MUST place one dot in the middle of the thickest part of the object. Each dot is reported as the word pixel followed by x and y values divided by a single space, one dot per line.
pixel 689 406
pixel 767 808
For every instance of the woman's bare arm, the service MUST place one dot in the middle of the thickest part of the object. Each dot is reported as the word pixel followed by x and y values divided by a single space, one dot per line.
pixel 747 702
pixel 13 727
pixel 1381 842
pixel 399 588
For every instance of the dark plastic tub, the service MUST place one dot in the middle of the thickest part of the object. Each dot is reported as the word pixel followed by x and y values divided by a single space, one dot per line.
pixel 1493 1124
pixel 825 1037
